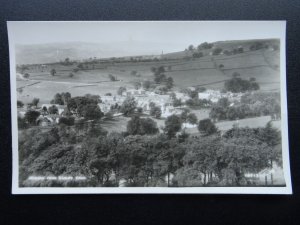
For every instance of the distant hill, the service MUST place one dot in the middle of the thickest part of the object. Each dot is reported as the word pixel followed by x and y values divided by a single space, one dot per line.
pixel 54 52
pixel 224 45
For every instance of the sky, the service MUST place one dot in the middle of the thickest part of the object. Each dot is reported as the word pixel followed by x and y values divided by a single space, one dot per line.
pixel 175 35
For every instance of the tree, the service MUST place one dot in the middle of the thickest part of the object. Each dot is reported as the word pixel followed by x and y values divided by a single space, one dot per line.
pixel 91 112
pixel 146 84
pixel 207 126
pixel 20 104
pixel 22 124
pixel 65 96
pixel 86 106
pixel 44 110
pixel 35 102
pixel 192 118
pixel 71 75
pixel 69 121
pixel 217 51
pixel 197 54
pixel 137 85
pixel 112 77
pixel 31 116
pixel 172 125
pixel 53 109
pixel 141 126
pixel 184 115
pixel 61 99
pixel 26 75
pixel 121 90
pixel 155 112
pixel 177 102
pixel 52 72
pixel 169 82
pixel 128 106
pixel 191 48
pixel 237 84
pixel 159 75
pixel 205 45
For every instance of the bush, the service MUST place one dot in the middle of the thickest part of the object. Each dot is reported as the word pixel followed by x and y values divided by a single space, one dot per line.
pixel 155 112
pixel 217 51
pixel 69 121
pixel 237 84
pixel 207 126
pixel 20 104
pixel 141 126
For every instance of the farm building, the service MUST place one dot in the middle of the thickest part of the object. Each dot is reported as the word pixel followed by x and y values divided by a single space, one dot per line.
pixel 214 96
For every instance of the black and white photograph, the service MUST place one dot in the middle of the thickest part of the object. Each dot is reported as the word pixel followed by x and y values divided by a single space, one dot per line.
pixel 149 107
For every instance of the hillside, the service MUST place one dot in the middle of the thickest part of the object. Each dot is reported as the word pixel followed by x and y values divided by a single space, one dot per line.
pixel 209 71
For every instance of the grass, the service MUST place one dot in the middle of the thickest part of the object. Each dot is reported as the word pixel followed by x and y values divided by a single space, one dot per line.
pixel 184 72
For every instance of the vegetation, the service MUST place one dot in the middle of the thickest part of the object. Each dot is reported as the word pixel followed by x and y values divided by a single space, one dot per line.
pixel 155 111
pixel 86 107
pixel 172 125
pixel 112 77
pixel 141 126
pixel 20 104
pixel 145 160
pixel 237 84
pixel 31 117
pixel 128 107
pixel 53 109
pixel 35 102
pixel 121 90
pixel 69 121
pixel 61 98
pixel 251 105
pixel 52 72
pixel 207 127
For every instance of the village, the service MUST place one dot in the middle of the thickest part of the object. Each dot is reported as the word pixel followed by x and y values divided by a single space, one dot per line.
pixel 50 114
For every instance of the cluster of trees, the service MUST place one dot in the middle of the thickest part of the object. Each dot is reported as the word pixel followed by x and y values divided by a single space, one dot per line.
pixel 234 51
pixel 202 46
pixel 257 46
pixel 141 126
pixel 67 62
pixel 128 107
pixel 145 160
pixel 251 105
pixel 61 98
pixel 155 111
pixel 112 77
pixel 161 78
pixel 20 104
pixel 187 117
pixel 194 100
pixel 85 106
pixel 236 84
pixel 198 54
pixel 53 72
pixel 217 51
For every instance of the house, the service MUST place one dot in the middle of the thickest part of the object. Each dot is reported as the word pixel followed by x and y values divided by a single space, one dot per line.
pixel 134 92
pixel 108 101
pixel 182 96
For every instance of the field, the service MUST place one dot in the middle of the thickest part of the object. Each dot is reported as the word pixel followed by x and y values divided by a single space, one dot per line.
pixel 249 122
pixel 260 64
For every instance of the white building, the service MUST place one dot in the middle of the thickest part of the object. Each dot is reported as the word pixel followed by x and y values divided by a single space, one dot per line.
pixel 215 96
